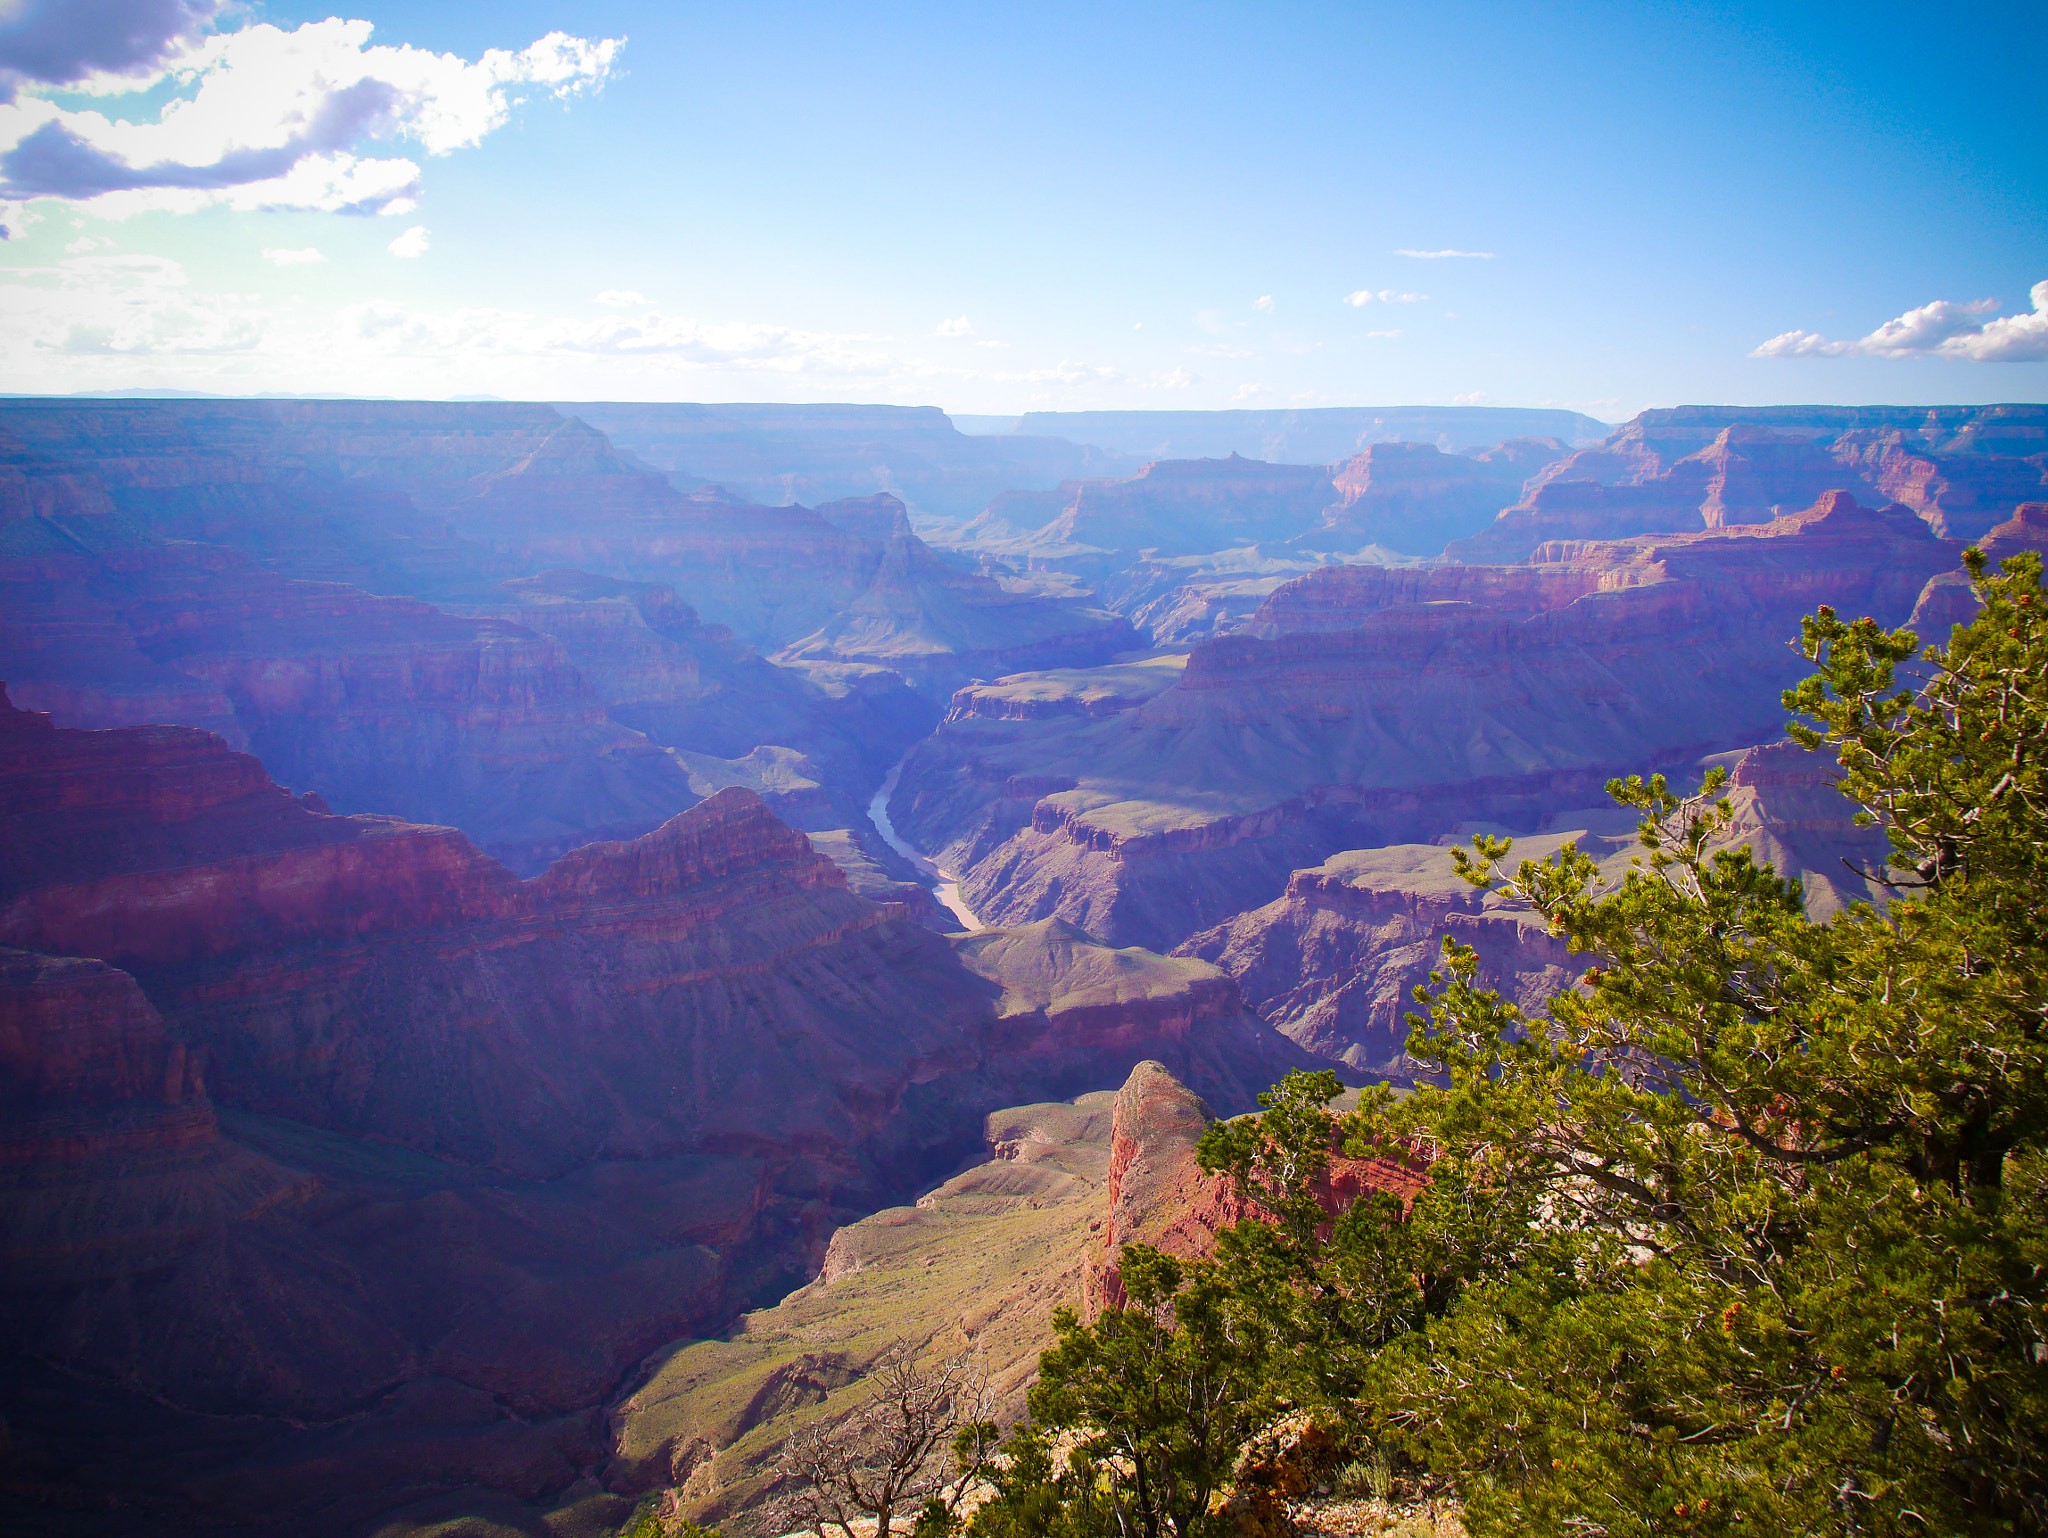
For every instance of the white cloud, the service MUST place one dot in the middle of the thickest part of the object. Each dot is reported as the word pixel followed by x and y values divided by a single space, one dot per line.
pixel 127 305
pixel 619 298
pixel 1938 330
pixel 1435 256
pixel 1365 296
pixel 1246 392
pixel 1474 398
pixel 1263 304
pixel 412 243
pixel 292 258
pixel 1217 350
pixel 264 118
pixel 958 325
pixel 86 243
pixel 102 319
pixel 1179 379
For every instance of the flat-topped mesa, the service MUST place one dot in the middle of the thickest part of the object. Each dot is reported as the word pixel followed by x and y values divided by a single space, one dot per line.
pixel 1339 598
pixel 1748 474
pixel 1717 592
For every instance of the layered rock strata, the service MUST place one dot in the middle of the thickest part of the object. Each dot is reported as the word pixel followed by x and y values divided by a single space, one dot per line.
pixel 1960 467
pixel 482 1143
pixel 1368 707
pixel 1334 961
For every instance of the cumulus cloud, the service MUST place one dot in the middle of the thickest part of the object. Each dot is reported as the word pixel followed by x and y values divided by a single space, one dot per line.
pixel 1939 330
pixel 619 298
pixel 1263 304
pixel 1179 379
pixel 1436 256
pixel 1247 392
pixel 412 243
pixel 69 42
pixel 1365 296
pixel 958 325
pixel 291 258
pixel 86 243
pixel 265 118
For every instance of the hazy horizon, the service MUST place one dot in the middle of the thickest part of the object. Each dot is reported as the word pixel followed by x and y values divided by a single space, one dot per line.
pixel 1600 208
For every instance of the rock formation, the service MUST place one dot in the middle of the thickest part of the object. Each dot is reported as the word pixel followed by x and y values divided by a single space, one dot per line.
pixel 1319 435
pixel 1413 499
pixel 1362 709
pixel 811 454
pixel 1333 962
pixel 482 1142
pixel 1949 600
pixel 1675 470
pixel 975 1268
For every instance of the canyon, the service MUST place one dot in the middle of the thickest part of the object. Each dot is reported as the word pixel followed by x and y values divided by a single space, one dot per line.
pixel 399 1163
pixel 538 943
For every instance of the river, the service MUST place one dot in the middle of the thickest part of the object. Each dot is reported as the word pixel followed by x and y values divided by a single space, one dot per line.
pixel 944 887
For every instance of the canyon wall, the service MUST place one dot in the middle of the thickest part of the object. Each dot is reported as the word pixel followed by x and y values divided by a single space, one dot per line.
pixel 1333 961
pixel 365 1170
pixel 1512 695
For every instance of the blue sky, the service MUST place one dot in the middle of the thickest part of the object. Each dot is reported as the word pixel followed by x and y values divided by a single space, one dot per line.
pixel 999 209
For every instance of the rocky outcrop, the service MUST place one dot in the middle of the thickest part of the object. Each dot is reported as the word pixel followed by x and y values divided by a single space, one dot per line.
pixel 1949 599
pixel 1076 1004
pixel 483 1142
pixel 1275 749
pixel 1414 499
pixel 974 1268
pixel 1959 467
pixel 1182 507
pixel 1748 474
pixel 1960 495
pixel 380 704
pixel 1159 1196
pixel 1334 961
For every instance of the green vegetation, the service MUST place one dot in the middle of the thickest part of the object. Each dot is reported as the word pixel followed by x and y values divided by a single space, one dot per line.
pixel 1749 1235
